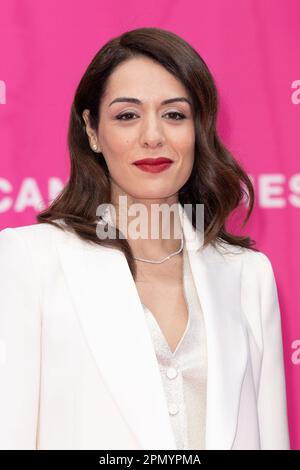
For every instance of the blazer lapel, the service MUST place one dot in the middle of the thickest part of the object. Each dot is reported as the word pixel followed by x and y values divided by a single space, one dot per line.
pixel 114 324
pixel 218 282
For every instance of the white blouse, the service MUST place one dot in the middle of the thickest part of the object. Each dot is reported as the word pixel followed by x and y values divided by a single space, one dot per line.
pixel 184 372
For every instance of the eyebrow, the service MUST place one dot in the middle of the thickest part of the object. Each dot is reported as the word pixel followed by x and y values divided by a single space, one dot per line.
pixel 125 99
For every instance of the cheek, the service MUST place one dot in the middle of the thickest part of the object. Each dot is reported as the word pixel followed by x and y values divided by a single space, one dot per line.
pixel 115 151
pixel 187 152
pixel 187 161
pixel 114 139
pixel 187 167
pixel 115 164
pixel 183 139
pixel 116 146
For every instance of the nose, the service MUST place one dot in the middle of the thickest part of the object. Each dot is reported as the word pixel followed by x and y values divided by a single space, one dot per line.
pixel 152 133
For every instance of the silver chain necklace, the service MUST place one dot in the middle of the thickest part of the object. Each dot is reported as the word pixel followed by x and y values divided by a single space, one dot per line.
pixel 164 259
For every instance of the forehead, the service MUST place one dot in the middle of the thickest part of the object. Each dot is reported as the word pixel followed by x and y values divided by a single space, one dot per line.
pixel 143 78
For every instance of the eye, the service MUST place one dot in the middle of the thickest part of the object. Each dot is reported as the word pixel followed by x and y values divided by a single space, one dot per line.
pixel 120 116
pixel 181 116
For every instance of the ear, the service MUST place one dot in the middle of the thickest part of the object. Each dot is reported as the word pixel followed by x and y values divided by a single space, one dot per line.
pixel 90 132
pixel 85 116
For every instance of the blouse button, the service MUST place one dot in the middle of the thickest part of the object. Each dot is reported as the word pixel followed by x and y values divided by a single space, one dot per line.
pixel 171 372
pixel 173 409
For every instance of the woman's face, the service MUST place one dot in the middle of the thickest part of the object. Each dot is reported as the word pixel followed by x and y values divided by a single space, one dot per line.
pixel 147 129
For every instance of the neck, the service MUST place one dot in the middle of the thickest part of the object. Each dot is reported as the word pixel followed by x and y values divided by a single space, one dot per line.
pixel 151 233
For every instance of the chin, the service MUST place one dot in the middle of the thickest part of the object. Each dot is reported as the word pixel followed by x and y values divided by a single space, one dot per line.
pixel 152 195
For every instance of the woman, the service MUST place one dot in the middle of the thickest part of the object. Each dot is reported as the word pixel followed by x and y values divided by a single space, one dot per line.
pixel 126 342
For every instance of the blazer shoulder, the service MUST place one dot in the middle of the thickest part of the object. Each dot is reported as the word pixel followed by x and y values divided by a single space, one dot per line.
pixel 33 232
pixel 257 269
pixel 259 263
pixel 39 240
pixel 253 258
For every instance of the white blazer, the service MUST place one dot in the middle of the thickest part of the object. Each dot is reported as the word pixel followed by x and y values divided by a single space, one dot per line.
pixel 78 367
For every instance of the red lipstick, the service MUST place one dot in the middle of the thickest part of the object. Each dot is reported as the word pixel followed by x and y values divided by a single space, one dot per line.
pixel 153 165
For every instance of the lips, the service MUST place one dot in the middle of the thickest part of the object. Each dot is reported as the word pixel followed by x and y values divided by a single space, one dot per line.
pixel 153 161
pixel 153 165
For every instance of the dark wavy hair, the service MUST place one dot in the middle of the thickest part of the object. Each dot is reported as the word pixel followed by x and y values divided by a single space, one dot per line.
pixel 217 180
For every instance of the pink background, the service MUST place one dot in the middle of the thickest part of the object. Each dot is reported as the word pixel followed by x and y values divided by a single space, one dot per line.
pixel 252 50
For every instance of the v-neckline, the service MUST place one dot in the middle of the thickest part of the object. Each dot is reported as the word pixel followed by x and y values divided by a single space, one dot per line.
pixel 163 338
pixel 172 353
